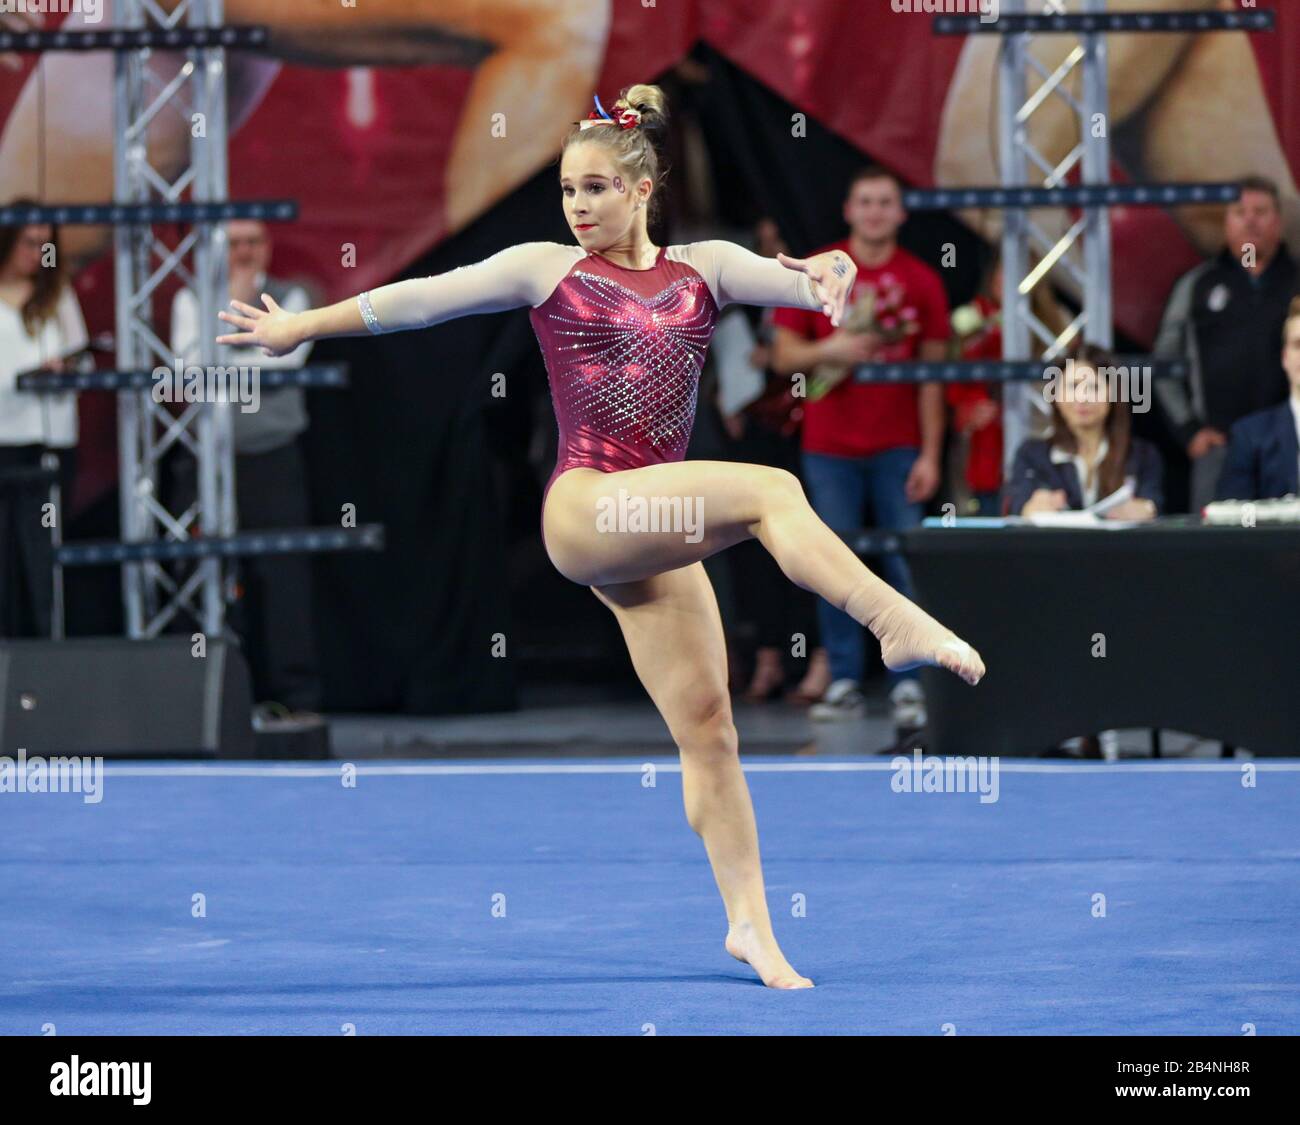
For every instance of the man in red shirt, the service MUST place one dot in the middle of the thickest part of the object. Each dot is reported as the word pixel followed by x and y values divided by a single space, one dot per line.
pixel 871 441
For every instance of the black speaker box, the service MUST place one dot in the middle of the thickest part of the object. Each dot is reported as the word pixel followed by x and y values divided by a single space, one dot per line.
pixel 111 697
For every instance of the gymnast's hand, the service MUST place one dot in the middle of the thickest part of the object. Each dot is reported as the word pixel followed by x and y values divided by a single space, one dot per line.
pixel 272 329
pixel 832 277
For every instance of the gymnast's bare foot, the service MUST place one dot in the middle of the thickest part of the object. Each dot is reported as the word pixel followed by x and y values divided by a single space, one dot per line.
pixel 910 637
pixel 746 944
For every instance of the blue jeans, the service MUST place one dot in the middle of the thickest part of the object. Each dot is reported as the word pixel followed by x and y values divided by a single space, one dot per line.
pixel 840 487
pixel 990 503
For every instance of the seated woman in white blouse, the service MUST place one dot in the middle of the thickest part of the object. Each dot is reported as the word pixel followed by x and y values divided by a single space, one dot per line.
pixel 40 321
pixel 1089 453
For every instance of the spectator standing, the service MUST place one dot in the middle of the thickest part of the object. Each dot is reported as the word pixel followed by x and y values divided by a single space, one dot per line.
pixel 1225 317
pixel 40 322
pixel 761 418
pixel 270 480
pixel 876 443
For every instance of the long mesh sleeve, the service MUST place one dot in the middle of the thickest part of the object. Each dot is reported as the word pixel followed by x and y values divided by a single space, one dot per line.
pixel 739 276
pixel 511 278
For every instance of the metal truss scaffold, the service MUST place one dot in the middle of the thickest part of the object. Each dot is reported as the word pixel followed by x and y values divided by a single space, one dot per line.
pixel 147 430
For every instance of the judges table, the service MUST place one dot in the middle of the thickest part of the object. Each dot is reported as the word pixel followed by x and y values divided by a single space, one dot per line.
pixel 1172 625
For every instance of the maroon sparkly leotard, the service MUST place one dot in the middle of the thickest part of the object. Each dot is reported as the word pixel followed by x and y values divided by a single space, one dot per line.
pixel 623 347
pixel 623 350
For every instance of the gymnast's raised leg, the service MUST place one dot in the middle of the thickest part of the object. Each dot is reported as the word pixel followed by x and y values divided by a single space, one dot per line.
pixel 738 502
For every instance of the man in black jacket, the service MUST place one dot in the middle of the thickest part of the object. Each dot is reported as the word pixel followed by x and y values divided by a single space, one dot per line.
pixel 1225 317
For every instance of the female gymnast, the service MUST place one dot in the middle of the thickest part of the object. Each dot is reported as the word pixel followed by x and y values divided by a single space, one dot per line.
pixel 623 326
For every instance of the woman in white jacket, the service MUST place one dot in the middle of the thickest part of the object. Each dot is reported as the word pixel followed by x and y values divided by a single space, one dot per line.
pixel 40 322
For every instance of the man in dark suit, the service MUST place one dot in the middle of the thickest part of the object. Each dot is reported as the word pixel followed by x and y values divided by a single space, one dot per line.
pixel 1263 455
pixel 1263 459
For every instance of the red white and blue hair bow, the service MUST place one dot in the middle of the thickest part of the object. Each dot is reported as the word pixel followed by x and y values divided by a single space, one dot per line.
pixel 628 118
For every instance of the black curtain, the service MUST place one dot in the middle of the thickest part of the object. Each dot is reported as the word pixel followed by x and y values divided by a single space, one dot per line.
pixel 414 628
pixel 762 169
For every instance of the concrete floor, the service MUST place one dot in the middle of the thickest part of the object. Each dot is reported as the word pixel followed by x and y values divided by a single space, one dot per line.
pixel 555 722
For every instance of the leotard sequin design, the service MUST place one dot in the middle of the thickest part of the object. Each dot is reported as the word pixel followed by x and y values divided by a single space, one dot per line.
pixel 624 349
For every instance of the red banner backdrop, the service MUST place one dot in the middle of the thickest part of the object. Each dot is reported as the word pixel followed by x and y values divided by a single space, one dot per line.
pixel 390 159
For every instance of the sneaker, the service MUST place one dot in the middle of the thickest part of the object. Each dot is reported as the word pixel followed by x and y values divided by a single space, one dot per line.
pixel 1081 746
pixel 1109 740
pixel 843 700
pixel 908 703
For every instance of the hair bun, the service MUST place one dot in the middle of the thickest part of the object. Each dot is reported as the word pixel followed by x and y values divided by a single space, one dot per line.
pixel 649 101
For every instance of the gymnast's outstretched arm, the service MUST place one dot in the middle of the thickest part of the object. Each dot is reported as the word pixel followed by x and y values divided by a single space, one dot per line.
pixel 510 279
pixel 737 275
